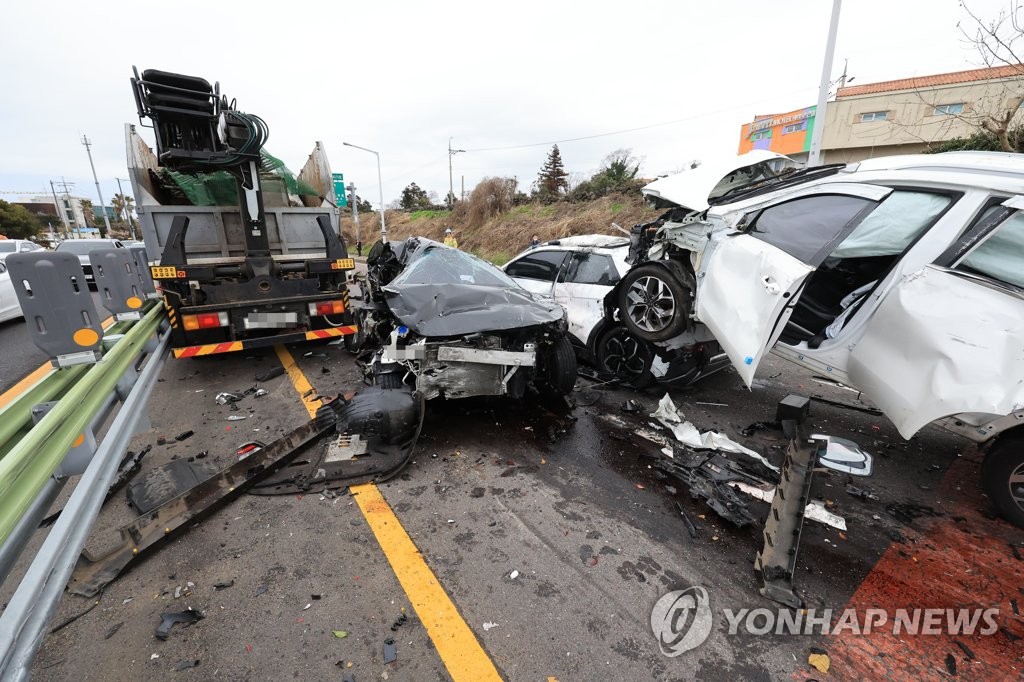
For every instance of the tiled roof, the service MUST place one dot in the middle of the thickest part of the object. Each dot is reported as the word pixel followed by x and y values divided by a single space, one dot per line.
pixel 930 81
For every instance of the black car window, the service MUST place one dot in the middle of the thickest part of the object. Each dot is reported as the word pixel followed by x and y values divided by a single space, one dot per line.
pixel 807 228
pixel 591 268
pixel 542 265
pixel 1001 255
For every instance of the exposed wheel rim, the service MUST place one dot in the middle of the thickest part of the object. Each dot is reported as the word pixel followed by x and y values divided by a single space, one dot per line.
pixel 624 356
pixel 650 304
pixel 1016 485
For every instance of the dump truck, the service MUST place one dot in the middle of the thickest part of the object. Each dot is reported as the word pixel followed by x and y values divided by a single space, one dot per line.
pixel 244 253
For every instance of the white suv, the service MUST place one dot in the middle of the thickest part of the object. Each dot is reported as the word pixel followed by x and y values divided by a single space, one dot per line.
pixel 901 276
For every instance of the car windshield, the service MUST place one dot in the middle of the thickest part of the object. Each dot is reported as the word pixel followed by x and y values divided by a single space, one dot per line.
pixel 7 246
pixel 83 247
pixel 442 265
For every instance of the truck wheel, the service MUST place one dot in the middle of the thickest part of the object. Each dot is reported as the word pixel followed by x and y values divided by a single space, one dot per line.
pixel 654 304
pixel 1002 476
pixel 561 367
pixel 626 357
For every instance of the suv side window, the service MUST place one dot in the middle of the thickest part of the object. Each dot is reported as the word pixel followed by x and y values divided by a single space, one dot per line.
pixel 591 268
pixel 807 228
pixel 1001 255
pixel 542 265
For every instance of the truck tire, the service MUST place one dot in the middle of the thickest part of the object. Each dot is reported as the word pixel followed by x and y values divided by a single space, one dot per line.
pixel 653 304
pixel 1002 475
pixel 626 357
pixel 561 367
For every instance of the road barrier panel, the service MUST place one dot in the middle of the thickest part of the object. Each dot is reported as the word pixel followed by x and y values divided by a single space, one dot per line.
pixel 118 282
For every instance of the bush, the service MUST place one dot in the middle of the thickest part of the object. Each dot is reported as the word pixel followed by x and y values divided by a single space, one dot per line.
pixel 491 197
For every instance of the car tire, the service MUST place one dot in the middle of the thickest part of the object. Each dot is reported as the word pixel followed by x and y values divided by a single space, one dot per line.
pixel 1002 476
pixel 653 304
pixel 626 357
pixel 561 367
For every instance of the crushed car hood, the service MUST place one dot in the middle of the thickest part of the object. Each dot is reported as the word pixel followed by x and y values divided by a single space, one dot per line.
pixel 455 309
pixel 692 189
pixel 442 291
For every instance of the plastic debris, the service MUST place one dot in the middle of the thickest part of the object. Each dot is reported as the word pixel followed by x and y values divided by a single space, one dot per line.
pixel 820 662
pixel 185 665
pixel 488 626
pixel 687 434
pixel 307 606
pixel 340 634
pixel 127 600
pixel 237 418
pixel 271 373
pixel 260 392
pixel 223 584
pixel 513 575
pixel 861 493
pixel 399 622
pixel 390 651
pixel 184 436
pixel 168 620
pixel 153 657
pixel 113 630
pixel 632 405
pixel 311 354
pixel 225 398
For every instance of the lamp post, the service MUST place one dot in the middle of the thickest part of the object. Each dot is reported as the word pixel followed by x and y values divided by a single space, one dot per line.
pixel 380 188
pixel 451 185
pixel 127 212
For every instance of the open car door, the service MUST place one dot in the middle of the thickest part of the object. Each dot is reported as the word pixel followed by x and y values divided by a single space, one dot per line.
pixel 749 281
pixel 947 339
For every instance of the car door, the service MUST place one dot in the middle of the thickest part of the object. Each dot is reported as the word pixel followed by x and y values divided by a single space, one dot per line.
pixel 537 270
pixel 749 281
pixel 949 338
pixel 588 279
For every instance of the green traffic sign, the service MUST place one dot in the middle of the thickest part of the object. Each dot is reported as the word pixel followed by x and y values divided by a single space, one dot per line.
pixel 341 196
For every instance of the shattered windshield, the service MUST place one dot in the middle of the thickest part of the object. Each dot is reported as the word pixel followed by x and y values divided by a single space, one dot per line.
pixel 441 265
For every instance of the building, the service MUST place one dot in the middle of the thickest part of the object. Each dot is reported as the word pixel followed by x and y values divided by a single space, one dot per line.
pixel 788 133
pixel 905 116
pixel 71 206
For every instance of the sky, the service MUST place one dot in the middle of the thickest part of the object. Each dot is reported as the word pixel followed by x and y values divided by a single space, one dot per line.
pixel 671 80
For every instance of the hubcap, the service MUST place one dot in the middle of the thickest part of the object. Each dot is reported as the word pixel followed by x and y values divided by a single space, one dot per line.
pixel 651 305
pixel 1016 484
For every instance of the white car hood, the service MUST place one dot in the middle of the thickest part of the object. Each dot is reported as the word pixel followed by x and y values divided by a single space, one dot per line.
pixel 692 188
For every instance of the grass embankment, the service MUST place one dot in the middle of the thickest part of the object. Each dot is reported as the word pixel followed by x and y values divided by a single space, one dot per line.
pixel 501 237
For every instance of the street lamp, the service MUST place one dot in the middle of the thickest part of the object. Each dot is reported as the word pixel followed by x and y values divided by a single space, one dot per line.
pixel 380 188
pixel 127 212
pixel 451 187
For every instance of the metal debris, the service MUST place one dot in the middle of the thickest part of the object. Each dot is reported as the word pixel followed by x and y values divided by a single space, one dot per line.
pixel 237 418
pixel 390 650
pixel 226 398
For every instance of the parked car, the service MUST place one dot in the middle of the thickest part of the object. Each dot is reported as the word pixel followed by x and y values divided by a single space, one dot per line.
pixel 579 273
pixel 454 325
pixel 9 306
pixel 9 246
pixel 901 276
pixel 82 248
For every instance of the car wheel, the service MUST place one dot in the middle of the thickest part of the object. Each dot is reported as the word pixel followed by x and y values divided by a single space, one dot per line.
pixel 653 303
pixel 561 366
pixel 1002 475
pixel 626 357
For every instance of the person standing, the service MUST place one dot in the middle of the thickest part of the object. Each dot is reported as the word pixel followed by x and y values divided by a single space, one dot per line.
pixel 449 239
pixel 534 241
pixel 359 247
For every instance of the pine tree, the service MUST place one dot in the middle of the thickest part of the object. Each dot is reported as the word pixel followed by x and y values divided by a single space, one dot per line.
pixel 552 180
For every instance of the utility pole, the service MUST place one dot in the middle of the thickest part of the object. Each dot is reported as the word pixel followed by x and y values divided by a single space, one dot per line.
pixel 99 192
pixel 127 213
pixel 351 187
pixel 67 198
pixel 60 209
pixel 814 156
pixel 451 184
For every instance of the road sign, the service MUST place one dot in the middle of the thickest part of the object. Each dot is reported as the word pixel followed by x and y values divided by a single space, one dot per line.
pixel 339 189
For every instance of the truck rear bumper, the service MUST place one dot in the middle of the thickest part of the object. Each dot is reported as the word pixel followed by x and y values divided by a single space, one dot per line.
pixel 262 342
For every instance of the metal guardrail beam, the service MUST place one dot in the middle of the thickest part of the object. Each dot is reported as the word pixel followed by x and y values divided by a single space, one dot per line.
pixel 32 462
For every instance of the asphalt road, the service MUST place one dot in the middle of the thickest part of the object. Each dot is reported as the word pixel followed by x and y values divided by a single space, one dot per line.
pixel 18 355
pixel 553 535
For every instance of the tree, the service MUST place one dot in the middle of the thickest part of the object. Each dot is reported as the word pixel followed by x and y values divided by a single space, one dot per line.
pixel 552 180
pixel 414 198
pixel 617 174
pixel 16 222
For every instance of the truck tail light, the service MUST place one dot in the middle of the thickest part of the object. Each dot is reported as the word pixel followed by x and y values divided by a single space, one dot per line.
pixel 327 308
pixel 204 321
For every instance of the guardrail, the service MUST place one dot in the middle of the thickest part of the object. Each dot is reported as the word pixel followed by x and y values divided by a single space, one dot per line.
pixel 76 420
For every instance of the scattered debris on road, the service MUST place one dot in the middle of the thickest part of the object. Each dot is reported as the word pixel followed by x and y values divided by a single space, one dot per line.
pixel 168 620
pixel 390 650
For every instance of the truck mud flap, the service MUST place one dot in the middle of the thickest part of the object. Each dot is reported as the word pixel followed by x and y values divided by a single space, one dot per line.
pixel 374 434
pixel 384 423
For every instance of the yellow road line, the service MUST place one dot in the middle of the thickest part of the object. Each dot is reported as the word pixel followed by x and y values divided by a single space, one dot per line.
pixel 35 376
pixel 458 647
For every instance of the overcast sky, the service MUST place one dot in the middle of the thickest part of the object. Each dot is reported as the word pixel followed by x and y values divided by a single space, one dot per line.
pixel 403 77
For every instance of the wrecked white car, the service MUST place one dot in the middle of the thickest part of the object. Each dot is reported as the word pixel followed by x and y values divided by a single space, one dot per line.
pixel 453 326
pixel 900 276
